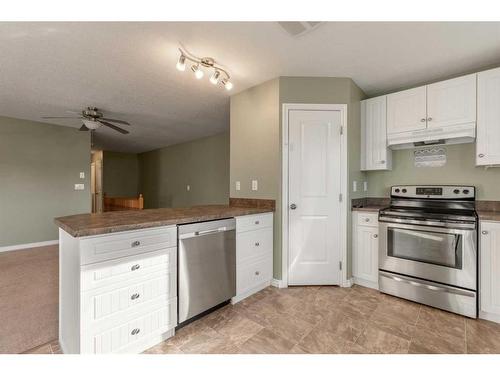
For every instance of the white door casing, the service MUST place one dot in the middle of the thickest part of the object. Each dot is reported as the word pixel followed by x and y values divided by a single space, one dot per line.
pixel 314 187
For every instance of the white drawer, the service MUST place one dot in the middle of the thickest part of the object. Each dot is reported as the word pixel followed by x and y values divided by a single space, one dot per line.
pixel 254 244
pixel 116 304
pixel 251 222
pixel 122 337
pixel 118 245
pixel 368 219
pixel 252 274
pixel 115 271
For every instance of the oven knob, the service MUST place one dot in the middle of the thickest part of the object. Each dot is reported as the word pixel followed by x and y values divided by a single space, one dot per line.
pixel 404 190
pixel 396 191
pixel 456 191
pixel 466 191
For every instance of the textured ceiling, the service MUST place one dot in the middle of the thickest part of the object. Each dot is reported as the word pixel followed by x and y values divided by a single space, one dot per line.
pixel 128 69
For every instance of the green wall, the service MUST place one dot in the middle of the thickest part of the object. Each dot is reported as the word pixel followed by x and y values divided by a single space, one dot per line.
pixel 255 137
pixel 120 174
pixel 203 164
pixel 459 169
pixel 39 165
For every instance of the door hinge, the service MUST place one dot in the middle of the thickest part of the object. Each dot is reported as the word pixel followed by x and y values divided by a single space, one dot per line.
pixel 340 265
pixel 340 197
pixel 341 130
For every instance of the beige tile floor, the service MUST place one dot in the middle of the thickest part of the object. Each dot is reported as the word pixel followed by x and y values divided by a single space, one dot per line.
pixel 328 320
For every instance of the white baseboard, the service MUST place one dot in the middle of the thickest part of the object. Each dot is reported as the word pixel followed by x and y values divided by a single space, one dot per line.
pixel 489 316
pixel 28 245
pixel 365 283
pixel 348 283
pixel 278 283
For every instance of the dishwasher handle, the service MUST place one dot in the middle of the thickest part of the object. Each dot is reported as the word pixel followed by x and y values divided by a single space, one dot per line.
pixel 201 233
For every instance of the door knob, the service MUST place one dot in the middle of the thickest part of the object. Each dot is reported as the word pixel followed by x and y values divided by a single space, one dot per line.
pixel 375 236
pixel 293 206
pixel 481 155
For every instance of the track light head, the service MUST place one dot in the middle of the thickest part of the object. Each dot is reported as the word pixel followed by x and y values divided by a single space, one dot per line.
pixel 181 64
pixel 227 84
pixel 215 77
pixel 198 73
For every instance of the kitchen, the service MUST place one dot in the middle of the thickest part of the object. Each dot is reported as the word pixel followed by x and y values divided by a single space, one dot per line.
pixel 357 220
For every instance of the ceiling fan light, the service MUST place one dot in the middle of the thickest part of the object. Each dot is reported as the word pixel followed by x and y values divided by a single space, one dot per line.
pixel 92 124
pixel 215 77
pixel 227 84
pixel 198 73
pixel 181 64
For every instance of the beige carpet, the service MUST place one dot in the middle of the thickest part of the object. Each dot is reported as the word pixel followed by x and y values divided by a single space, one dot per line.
pixel 28 298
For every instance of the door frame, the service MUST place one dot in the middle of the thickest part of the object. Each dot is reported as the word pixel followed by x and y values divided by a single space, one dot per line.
pixel 284 199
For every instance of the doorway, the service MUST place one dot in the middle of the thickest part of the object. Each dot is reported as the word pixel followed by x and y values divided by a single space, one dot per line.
pixel 314 194
pixel 96 166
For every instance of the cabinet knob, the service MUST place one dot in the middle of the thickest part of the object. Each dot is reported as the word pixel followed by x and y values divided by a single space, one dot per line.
pixel 135 331
pixel 375 236
pixel 429 119
pixel 134 296
pixel 485 232
pixel 257 273
pixel 257 222
pixel 136 243
pixel 481 155
pixel 293 206
pixel 135 267
pixel 367 219
pixel 257 244
pixel 382 161
pixel 422 120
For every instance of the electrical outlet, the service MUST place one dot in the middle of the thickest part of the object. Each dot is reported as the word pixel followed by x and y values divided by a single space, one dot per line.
pixel 255 185
pixel 188 187
pixel 82 175
pixel 79 187
pixel 365 185
pixel 355 186
pixel 237 185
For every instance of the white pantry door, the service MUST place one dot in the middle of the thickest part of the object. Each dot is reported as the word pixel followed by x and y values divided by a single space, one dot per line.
pixel 314 171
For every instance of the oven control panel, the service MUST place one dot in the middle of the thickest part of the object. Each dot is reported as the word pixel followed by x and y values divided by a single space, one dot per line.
pixel 433 191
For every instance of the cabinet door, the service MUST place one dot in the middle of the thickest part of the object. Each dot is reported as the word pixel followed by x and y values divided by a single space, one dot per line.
pixel 451 102
pixel 374 152
pixel 365 257
pixel 488 118
pixel 489 271
pixel 406 111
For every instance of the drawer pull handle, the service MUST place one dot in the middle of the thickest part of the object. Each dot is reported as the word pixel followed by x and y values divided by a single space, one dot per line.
pixel 257 273
pixel 257 222
pixel 135 331
pixel 135 267
pixel 136 243
pixel 134 296
pixel 257 244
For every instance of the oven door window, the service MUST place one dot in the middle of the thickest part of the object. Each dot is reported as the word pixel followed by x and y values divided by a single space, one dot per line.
pixel 443 249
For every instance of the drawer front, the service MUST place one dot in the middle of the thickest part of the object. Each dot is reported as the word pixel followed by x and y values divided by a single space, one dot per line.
pixel 118 245
pixel 368 219
pixel 115 271
pixel 118 303
pixel 254 244
pixel 252 274
pixel 119 338
pixel 252 222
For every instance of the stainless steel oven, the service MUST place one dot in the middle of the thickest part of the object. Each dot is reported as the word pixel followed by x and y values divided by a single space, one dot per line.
pixel 428 247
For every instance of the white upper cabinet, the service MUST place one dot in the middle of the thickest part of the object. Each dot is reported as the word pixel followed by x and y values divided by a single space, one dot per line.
pixel 406 111
pixel 451 102
pixel 374 152
pixel 488 118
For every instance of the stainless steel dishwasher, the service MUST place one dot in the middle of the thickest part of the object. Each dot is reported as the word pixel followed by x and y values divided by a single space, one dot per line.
pixel 207 266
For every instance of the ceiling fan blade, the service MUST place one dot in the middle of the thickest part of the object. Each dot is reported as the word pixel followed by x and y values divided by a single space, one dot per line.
pixel 113 120
pixel 50 117
pixel 123 131
pixel 84 129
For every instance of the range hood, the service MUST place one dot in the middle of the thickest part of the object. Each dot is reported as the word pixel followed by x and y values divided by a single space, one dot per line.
pixel 463 133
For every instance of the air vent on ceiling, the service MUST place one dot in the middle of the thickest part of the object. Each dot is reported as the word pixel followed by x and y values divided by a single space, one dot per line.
pixel 298 28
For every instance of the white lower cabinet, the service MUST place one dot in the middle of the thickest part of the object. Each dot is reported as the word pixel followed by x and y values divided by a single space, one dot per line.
pixel 254 254
pixel 489 270
pixel 365 248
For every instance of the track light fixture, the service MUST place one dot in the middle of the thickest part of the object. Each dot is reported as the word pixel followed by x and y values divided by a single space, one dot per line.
pixel 219 75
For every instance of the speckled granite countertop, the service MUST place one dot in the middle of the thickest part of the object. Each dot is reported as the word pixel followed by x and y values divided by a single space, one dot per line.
pixel 369 204
pixel 369 208
pixel 120 221
pixel 488 215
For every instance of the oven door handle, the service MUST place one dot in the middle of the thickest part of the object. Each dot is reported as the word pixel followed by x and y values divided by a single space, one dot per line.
pixel 435 288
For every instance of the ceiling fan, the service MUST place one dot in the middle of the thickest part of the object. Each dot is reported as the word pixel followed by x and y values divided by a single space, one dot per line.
pixel 93 119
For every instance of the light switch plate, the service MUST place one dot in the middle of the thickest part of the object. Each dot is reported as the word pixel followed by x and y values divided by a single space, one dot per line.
pixel 365 185
pixel 237 185
pixel 355 186
pixel 79 187
pixel 82 174
pixel 255 185
pixel 188 187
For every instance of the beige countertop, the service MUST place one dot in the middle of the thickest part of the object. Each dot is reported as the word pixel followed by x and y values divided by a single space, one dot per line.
pixel 488 215
pixel 120 221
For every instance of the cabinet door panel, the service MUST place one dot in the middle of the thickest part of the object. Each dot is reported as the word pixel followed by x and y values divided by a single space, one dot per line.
pixel 375 154
pixel 451 102
pixel 406 110
pixel 366 253
pixel 490 267
pixel 488 118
